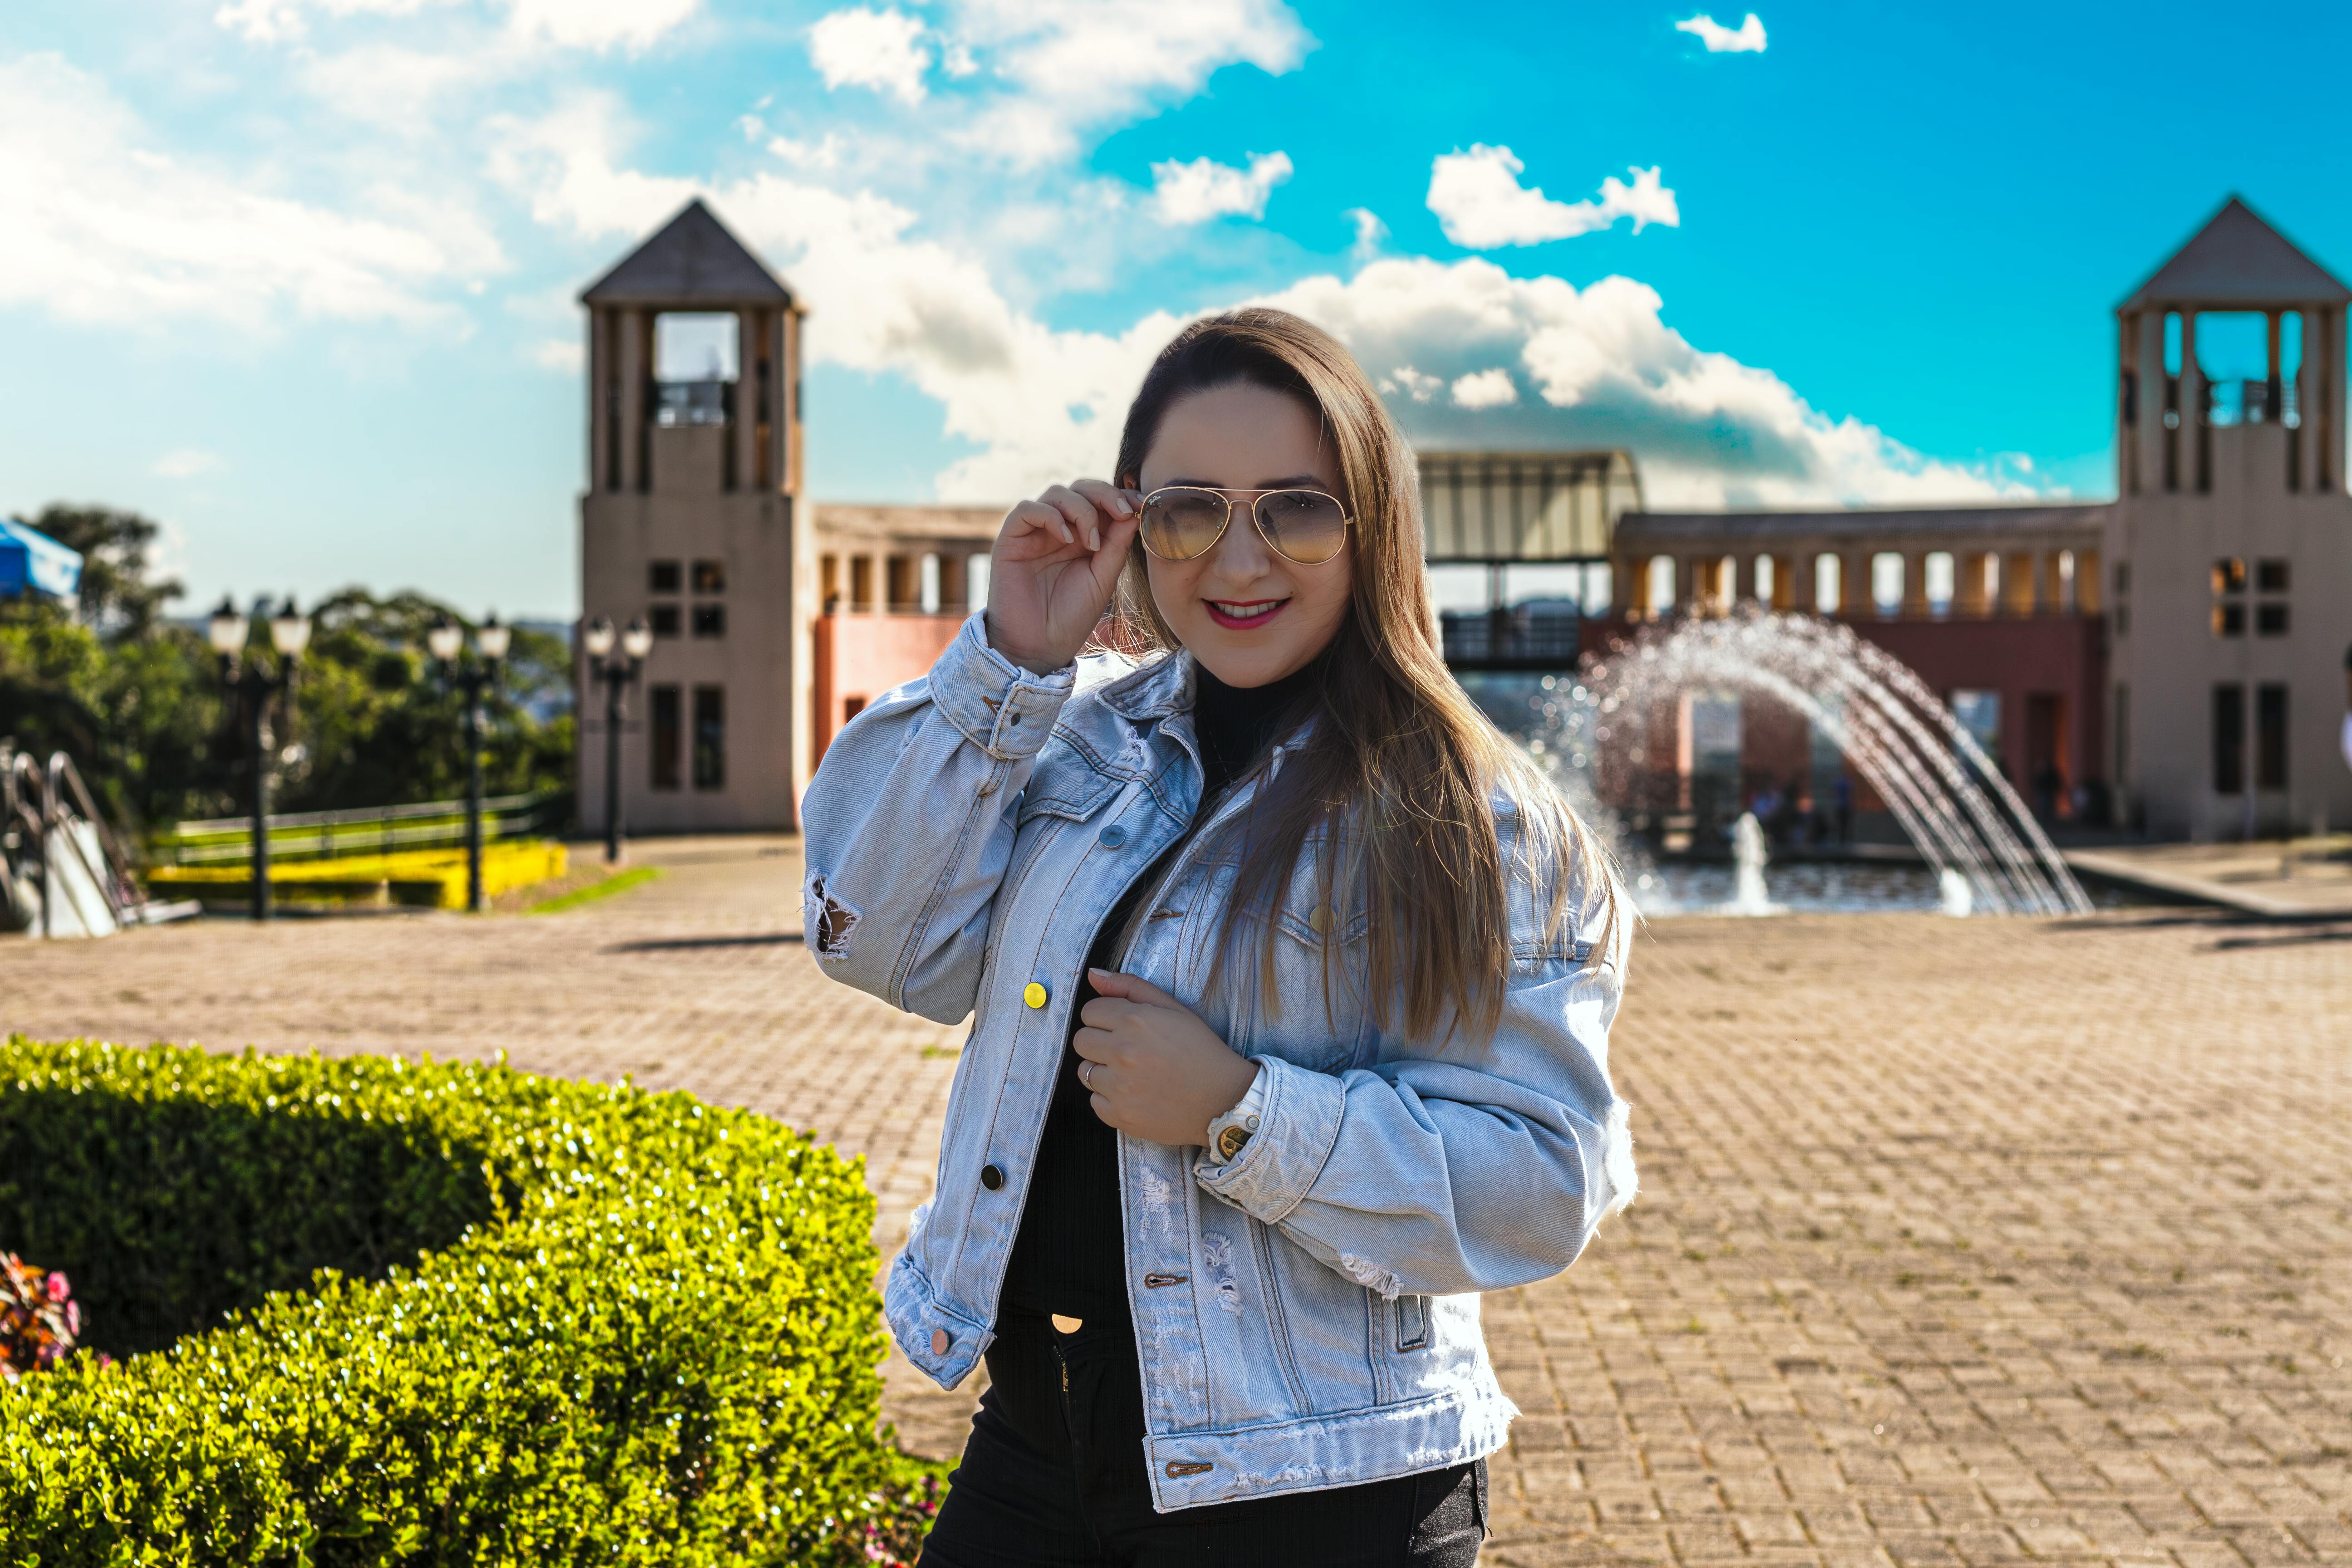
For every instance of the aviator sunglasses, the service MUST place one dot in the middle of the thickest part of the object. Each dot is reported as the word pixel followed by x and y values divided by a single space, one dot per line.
pixel 1181 523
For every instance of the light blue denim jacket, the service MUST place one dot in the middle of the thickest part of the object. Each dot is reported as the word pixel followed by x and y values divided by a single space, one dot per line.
pixel 1307 1314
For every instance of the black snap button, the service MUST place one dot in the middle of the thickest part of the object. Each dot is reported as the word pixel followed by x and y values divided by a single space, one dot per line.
pixel 990 1177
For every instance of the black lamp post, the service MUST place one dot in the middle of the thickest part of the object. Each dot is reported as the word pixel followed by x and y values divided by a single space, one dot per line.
pixel 446 640
pixel 618 672
pixel 253 686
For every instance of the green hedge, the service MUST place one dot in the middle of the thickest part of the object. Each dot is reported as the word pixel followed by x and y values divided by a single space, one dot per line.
pixel 475 1317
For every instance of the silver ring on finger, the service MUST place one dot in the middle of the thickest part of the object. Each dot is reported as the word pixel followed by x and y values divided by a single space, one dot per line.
pixel 1086 1075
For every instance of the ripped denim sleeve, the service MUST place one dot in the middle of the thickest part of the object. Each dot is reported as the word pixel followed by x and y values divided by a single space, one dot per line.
pixel 828 921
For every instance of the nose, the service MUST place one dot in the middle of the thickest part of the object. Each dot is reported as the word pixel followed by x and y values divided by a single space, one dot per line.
pixel 1242 558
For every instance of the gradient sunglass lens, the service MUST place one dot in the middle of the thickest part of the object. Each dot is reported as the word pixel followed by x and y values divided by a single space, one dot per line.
pixel 1307 526
pixel 1179 524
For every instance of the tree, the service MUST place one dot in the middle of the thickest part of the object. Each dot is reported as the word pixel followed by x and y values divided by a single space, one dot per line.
pixel 136 701
pixel 117 597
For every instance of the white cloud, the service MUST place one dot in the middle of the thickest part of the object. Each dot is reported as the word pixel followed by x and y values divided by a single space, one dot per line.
pixel 1077 65
pixel 879 49
pixel 99 226
pixel 1608 372
pixel 819 155
pixel 569 355
pixel 1480 202
pixel 1411 382
pixel 1490 388
pixel 1747 38
pixel 1526 361
pixel 281 21
pixel 1370 232
pixel 1203 188
pixel 187 462
pixel 597 25
pixel 600 24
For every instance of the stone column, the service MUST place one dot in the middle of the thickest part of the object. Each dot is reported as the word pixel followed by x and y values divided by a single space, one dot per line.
pixel 2087 597
pixel 1915 584
pixel 630 327
pixel 744 428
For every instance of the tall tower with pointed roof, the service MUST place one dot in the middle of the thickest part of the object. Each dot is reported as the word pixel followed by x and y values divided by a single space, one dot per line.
pixel 692 518
pixel 2230 546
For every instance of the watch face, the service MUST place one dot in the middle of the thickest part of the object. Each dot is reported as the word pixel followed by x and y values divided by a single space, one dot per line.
pixel 1230 1142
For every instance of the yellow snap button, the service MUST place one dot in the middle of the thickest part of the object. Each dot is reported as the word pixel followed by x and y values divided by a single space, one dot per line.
pixel 1321 919
pixel 1034 993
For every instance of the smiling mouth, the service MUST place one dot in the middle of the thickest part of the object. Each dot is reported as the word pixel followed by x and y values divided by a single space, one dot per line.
pixel 1240 616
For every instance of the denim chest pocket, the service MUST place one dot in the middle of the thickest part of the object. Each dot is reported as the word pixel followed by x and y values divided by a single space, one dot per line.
pixel 1316 1018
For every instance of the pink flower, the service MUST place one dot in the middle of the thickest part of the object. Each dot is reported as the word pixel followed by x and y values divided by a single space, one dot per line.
pixel 59 1288
pixel 73 1318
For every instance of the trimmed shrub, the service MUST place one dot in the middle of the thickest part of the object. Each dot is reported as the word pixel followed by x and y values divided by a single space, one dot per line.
pixel 391 1313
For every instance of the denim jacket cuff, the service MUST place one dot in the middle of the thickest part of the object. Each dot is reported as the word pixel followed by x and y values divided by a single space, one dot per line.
pixel 1275 1170
pixel 1002 709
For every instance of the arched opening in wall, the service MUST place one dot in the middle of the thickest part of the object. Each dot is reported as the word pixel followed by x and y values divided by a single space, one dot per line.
pixel 1661 583
pixel 2172 361
pixel 1829 585
pixel 1942 582
pixel 1886 582
pixel 696 364
pixel 2233 361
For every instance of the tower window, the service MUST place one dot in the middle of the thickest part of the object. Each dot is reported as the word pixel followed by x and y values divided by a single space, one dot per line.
pixel 2229 739
pixel 2229 574
pixel 667 738
pixel 2230 619
pixel 709 737
pixel 2270 736
pixel 710 620
pixel 663 620
pixel 2269 620
pixel 2269 576
pixel 710 576
pixel 662 577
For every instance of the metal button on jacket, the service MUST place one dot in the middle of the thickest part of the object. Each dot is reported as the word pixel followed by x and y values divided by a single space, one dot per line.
pixel 1111 838
pixel 940 1341
pixel 1034 993
pixel 990 1177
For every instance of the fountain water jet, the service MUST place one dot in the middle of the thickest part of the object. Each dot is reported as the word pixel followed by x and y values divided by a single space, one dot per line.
pixel 1749 853
pixel 1953 803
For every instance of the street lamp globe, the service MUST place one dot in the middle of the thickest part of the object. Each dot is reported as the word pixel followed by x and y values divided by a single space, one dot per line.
pixel 225 630
pixel 290 630
pixel 598 638
pixel 639 640
pixel 493 638
pixel 444 639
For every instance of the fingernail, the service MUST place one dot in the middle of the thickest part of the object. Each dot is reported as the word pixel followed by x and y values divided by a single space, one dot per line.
pixel 1094 539
pixel 1120 501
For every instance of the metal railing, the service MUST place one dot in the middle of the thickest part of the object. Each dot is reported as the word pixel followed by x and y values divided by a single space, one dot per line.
pixel 41 810
pixel 376 830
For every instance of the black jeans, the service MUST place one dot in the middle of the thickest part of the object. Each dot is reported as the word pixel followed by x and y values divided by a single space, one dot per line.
pixel 1054 1474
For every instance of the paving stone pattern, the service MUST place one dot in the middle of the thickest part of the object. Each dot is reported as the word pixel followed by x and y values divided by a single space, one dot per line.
pixel 1960 1242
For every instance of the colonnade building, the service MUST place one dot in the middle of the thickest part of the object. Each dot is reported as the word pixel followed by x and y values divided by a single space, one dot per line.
pixel 2172 659
pixel 2175 658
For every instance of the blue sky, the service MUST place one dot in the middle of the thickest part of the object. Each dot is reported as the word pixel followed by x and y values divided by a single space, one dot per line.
pixel 297 276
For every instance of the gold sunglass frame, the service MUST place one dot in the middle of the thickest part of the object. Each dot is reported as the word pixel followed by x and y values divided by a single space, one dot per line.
pixel 1235 499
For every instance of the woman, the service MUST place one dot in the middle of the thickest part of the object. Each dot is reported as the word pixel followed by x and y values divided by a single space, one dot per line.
pixel 1292 986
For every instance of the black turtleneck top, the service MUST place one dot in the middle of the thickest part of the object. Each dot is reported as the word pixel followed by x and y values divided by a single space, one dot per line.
pixel 1070 1254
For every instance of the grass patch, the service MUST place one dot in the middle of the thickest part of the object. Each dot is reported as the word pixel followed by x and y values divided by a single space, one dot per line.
pixel 595 890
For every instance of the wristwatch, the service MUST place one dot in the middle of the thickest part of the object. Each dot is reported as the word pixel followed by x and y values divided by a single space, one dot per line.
pixel 1231 1133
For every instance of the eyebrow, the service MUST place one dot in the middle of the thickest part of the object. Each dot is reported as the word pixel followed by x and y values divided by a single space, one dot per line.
pixel 1293 482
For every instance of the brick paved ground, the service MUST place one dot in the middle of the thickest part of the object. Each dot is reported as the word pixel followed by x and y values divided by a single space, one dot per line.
pixel 1961 1242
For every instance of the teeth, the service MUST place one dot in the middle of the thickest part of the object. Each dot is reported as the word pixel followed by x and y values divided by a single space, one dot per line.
pixel 1247 612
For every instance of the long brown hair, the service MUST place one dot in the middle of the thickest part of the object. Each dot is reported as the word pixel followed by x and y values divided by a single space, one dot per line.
pixel 1400 769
